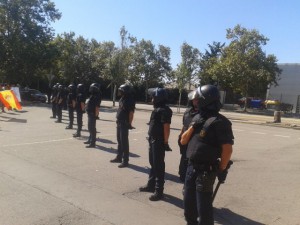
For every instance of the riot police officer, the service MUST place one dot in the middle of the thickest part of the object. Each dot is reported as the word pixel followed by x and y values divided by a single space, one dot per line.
pixel 60 101
pixel 159 131
pixel 80 107
pixel 92 109
pixel 71 101
pixel 124 118
pixel 188 115
pixel 209 138
pixel 53 100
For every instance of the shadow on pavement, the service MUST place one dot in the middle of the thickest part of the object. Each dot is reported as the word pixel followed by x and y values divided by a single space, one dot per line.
pixel 145 170
pixel 113 150
pixel 173 200
pixel 227 217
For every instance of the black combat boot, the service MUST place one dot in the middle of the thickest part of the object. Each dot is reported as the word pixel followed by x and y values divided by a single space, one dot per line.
pixel 123 165
pixel 91 146
pixel 86 142
pixel 116 160
pixel 69 127
pixel 158 195
pixel 77 134
pixel 147 188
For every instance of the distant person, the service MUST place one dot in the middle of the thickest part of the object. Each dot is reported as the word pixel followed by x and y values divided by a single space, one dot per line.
pixel 124 118
pixel 71 102
pixel 159 131
pixel 60 101
pixel 54 100
pixel 92 109
pixel 80 108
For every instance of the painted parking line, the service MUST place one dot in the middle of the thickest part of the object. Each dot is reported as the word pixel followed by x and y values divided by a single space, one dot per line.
pixel 38 142
pixel 254 132
pixel 238 130
pixel 277 135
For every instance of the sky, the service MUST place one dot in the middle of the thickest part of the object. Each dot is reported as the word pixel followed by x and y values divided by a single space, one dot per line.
pixel 196 22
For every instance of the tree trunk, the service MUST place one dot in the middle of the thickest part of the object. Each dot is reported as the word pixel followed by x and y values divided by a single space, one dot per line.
pixel 114 95
pixel 146 92
pixel 179 102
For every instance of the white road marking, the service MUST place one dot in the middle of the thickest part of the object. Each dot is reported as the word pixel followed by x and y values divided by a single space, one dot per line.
pixel 276 135
pixel 38 142
pixel 238 130
pixel 254 132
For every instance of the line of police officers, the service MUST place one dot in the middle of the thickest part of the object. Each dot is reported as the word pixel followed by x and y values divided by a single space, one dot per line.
pixel 205 140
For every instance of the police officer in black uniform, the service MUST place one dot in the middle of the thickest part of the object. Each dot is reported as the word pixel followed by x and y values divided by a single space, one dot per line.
pixel 71 102
pixel 53 100
pixel 92 109
pixel 60 101
pixel 188 115
pixel 124 118
pixel 209 138
pixel 80 107
pixel 159 131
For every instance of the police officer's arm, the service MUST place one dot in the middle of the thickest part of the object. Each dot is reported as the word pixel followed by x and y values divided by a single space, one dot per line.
pixel 131 114
pixel 82 106
pixel 186 136
pixel 97 110
pixel 225 156
pixel 166 132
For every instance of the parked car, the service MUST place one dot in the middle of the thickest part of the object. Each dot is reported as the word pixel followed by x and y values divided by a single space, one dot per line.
pixel 251 103
pixel 33 95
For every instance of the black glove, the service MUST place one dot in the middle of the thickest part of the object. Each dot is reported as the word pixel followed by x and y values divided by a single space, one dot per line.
pixel 222 175
pixel 198 123
pixel 167 147
pixel 178 141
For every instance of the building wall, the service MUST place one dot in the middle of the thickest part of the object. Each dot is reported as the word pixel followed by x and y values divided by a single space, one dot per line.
pixel 288 88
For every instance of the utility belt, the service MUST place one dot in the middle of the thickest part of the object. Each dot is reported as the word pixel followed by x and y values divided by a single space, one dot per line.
pixel 207 166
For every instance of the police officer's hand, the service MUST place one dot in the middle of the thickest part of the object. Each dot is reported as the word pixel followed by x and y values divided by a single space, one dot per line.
pixel 130 127
pixel 179 139
pixel 197 124
pixel 222 174
pixel 167 147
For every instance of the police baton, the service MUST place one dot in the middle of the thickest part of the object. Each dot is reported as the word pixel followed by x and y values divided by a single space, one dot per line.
pixel 219 183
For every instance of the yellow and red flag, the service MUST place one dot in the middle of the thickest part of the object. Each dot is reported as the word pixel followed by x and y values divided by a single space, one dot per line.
pixel 9 100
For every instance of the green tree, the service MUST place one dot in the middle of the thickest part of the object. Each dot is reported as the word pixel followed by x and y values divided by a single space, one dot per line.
pixel 208 60
pixel 244 65
pixel 186 72
pixel 150 65
pixel 25 33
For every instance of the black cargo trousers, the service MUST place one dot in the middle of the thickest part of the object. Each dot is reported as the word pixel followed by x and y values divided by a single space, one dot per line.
pixel 157 161
pixel 123 142
pixel 92 128
pixel 198 192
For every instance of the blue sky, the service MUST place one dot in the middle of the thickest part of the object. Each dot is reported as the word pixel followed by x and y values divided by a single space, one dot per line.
pixel 197 22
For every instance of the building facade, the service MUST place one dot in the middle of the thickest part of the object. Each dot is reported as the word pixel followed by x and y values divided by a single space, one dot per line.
pixel 288 89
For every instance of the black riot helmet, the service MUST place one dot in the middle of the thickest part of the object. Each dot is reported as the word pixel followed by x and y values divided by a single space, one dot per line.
pixel 94 88
pixel 80 88
pixel 159 95
pixel 192 96
pixel 125 89
pixel 209 95
pixel 71 88
pixel 60 87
